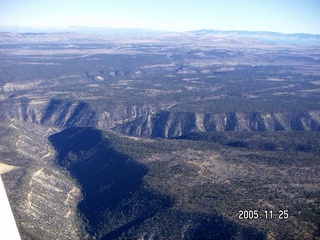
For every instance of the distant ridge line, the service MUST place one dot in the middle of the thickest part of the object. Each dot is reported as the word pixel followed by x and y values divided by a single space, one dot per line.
pixel 109 30
pixel 261 33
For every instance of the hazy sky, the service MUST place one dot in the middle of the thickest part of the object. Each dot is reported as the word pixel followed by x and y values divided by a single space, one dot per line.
pixel 288 16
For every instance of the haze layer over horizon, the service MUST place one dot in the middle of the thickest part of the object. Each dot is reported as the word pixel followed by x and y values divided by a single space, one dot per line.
pixel 286 16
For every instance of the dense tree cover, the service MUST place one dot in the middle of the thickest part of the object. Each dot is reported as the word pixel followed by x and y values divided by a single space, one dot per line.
pixel 134 184
pixel 265 105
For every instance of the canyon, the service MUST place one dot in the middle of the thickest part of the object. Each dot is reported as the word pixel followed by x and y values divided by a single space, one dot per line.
pixel 163 136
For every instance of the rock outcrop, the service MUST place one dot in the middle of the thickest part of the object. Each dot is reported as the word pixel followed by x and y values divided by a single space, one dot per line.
pixel 66 113
pixel 146 120
pixel 43 197
pixel 172 124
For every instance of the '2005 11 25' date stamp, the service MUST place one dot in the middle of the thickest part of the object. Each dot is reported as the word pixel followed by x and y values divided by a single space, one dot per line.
pixel 263 214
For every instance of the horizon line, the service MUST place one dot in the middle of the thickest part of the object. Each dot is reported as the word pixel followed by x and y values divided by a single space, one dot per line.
pixel 62 29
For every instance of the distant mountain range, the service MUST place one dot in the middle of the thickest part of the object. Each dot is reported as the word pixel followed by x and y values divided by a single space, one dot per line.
pixel 142 31
pixel 83 30
pixel 88 32
pixel 273 37
pixel 259 33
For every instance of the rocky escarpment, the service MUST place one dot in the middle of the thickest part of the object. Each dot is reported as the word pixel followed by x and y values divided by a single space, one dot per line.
pixel 67 113
pixel 55 112
pixel 43 197
pixel 172 124
pixel 144 120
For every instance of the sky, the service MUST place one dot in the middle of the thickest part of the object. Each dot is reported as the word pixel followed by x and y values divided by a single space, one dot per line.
pixel 286 16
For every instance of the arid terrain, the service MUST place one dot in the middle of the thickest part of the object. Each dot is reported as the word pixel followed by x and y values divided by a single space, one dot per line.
pixel 195 135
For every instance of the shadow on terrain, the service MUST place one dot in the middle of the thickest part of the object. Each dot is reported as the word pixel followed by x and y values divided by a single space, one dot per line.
pixel 111 182
pixel 117 202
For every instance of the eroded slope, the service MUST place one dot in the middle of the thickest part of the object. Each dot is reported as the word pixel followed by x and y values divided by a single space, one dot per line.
pixel 42 196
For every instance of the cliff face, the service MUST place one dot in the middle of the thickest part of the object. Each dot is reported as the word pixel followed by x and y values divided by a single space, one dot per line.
pixel 67 113
pixel 142 121
pixel 50 112
pixel 172 124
